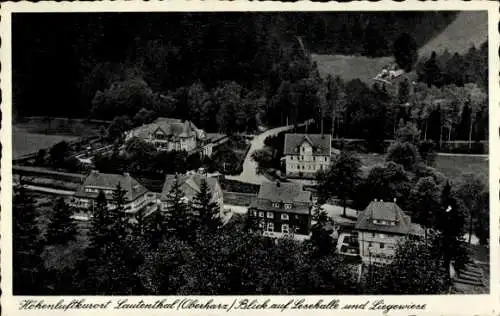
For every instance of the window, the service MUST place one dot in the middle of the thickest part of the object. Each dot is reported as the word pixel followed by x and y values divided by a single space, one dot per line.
pixel 261 214
pixel 261 225
pixel 381 235
pixel 270 227
pixel 284 217
pixel 375 221
pixel 285 228
pixel 270 215
pixel 288 206
pixel 276 204
pixel 382 245
pixel 301 157
pixel 369 244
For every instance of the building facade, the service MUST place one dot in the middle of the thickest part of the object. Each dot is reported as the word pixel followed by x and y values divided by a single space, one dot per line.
pixel 190 186
pixel 380 227
pixel 136 195
pixel 282 208
pixel 169 134
pixel 306 154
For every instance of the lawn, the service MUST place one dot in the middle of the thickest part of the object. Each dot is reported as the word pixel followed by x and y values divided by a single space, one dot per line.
pixel 451 166
pixel 24 142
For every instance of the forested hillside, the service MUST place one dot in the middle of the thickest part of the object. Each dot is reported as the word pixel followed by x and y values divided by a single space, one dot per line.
pixel 60 61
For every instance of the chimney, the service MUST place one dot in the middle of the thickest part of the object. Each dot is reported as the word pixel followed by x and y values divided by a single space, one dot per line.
pixel 395 199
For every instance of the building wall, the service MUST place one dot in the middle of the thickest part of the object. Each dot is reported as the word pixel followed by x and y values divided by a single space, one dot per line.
pixel 187 144
pixel 273 221
pixel 131 207
pixel 383 246
pixel 305 161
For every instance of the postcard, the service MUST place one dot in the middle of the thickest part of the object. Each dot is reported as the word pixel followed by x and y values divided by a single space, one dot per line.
pixel 194 157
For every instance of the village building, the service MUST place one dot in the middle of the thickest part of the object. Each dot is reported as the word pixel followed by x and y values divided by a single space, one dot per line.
pixel 306 154
pixel 170 134
pixel 136 195
pixel 379 228
pixel 282 208
pixel 190 185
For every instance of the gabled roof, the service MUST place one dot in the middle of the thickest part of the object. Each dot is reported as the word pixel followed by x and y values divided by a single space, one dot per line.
pixel 109 181
pixel 169 126
pixel 321 144
pixel 190 184
pixel 284 192
pixel 388 211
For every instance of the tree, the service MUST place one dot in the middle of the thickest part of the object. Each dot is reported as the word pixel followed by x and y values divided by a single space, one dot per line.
pixel 179 220
pixel 154 230
pixel 118 127
pixel 321 237
pixel 40 158
pixel 405 51
pixel 207 210
pixel 58 153
pixel 450 225
pixel 342 178
pixel 144 116
pixel 227 98
pixel 431 75
pixel 405 154
pixel 470 190
pixel 477 98
pixel 424 202
pixel 387 182
pixel 408 133
pixel 61 228
pixel 416 269
pixel 28 266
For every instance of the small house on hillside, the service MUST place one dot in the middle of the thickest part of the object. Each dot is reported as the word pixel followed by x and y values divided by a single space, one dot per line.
pixel 282 208
pixel 305 154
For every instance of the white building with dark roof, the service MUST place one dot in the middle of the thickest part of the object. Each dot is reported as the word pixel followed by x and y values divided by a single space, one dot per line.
pixel 136 195
pixel 170 134
pixel 306 154
pixel 380 227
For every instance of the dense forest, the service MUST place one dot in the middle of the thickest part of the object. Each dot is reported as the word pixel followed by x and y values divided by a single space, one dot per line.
pixel 61 60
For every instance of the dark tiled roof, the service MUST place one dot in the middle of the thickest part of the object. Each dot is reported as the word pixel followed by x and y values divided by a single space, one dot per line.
pixel 267 205
pixel 321 144
pixel 389 211
pixel 284 192
pixel 108 181
pixel 169 126
pixel 190 184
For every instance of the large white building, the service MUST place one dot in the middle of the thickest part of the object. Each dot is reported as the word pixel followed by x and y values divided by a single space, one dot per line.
pixel 305 154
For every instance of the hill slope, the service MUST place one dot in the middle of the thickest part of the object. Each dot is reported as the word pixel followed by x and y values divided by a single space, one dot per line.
pixel 468 28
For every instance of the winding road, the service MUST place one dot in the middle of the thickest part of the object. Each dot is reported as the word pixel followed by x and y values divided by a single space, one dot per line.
pixel 249 173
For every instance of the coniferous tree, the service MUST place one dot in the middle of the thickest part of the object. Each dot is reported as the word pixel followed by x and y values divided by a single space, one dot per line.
pixel 28 267
pixel 178 219
pixel 321 238
pixel 155 229
pixel 208 211
pixel 61 228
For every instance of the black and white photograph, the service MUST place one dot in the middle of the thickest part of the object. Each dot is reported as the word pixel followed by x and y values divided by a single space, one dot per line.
pixel 250 153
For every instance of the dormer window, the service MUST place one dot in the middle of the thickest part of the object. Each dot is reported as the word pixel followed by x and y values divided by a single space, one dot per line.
pixel 276 204
pixel 288 206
